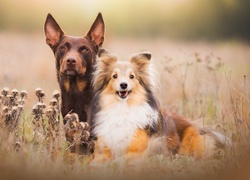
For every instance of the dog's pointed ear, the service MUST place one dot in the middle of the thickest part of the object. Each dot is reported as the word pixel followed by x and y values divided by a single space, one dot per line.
pixel 141 60
pixel 52 30
pixel 96 32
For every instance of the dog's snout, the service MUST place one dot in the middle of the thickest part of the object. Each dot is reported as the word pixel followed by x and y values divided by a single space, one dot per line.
pixel 71 61
pixel 123 85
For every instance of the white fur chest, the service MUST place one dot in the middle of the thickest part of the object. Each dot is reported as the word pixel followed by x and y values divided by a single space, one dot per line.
pixel 117 125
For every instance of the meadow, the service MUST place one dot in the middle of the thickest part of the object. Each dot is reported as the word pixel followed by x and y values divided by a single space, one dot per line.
pixel 206 82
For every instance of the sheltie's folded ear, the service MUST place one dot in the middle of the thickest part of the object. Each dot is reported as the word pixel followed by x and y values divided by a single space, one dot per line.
pixel 141 60
pixel 144 70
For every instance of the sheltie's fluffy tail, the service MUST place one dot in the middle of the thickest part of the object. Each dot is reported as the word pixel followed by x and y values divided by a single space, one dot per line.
pixel 214 142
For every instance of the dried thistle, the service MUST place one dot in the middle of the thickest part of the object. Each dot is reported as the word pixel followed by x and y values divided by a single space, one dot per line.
pixel 23 94
pixel 40 94
pixel 14 93
pixel 38 118
pixel 77 133
pixel 11 114
pixel 56 95
pixel 5 91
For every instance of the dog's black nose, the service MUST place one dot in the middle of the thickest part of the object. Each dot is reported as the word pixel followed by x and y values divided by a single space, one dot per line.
pixel 71 61
pixel 123 85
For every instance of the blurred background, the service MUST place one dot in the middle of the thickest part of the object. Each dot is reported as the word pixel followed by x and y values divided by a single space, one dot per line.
pixel 181 19
pixel 179 33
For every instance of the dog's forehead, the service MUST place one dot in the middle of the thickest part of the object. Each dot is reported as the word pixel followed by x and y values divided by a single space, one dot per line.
pixel 76 41
pixel 123 67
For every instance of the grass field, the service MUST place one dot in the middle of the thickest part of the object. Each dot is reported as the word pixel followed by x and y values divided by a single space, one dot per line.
pixel 206 82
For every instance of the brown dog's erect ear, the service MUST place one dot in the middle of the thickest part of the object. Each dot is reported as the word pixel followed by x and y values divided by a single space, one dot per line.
pixel 96 32
pixel 52 30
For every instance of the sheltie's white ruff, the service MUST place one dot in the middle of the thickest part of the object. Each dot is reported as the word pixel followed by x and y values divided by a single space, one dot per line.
pixel 117 124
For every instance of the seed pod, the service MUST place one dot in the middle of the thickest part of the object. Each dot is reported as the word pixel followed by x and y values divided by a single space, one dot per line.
pixel 85 136
pixel 39 105
pixel 42 94
pixel 35 109
pixel 56 94
pixel 14 92
pixel 5 110
pixel 53 102
pixel 20 107
pixel 81 126
pixel 86 125
pixel 5 91
pixel 38 91
pixel 23 94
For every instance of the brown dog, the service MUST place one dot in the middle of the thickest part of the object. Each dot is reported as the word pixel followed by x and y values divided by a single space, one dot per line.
pixel 75 57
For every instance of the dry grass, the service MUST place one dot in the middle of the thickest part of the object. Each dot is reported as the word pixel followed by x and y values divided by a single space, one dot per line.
pixel 208 83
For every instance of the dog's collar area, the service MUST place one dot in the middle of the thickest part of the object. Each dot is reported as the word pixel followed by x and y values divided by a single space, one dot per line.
pixel 123 94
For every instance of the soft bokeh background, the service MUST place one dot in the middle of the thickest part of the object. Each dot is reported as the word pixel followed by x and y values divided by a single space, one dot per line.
pixel 188 19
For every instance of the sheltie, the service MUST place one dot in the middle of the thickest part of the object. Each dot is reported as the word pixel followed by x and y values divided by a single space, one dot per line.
pixel 127 119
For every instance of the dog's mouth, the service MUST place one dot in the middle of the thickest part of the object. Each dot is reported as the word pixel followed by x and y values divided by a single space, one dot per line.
pixel 123 94
pixel 70 73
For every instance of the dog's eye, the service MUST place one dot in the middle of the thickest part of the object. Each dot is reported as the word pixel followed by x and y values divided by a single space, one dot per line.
pixel 131 76
pixel 115 76
pixel 63 48
pixel 84 49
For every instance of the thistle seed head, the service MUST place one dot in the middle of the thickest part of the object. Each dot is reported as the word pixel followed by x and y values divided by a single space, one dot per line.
pixel 56 94
pixel 81 126
pixel 85 136
pixel 5 91
pixel 71 117
pixel 42 94
pixel 53 102
pixel 23 94
pixel 20 107
pixel 14 109
pixel 35 109
pixel 49 111
pixel 39 105
pixel 38 91
pixel 5 109
pixel 14 92
pixel 86 125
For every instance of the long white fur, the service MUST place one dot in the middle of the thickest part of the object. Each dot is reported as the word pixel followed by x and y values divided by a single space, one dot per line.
pixel 117 124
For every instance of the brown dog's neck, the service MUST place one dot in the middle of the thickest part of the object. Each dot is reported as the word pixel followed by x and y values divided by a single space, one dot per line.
pixel 74 84
pixel 76 95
